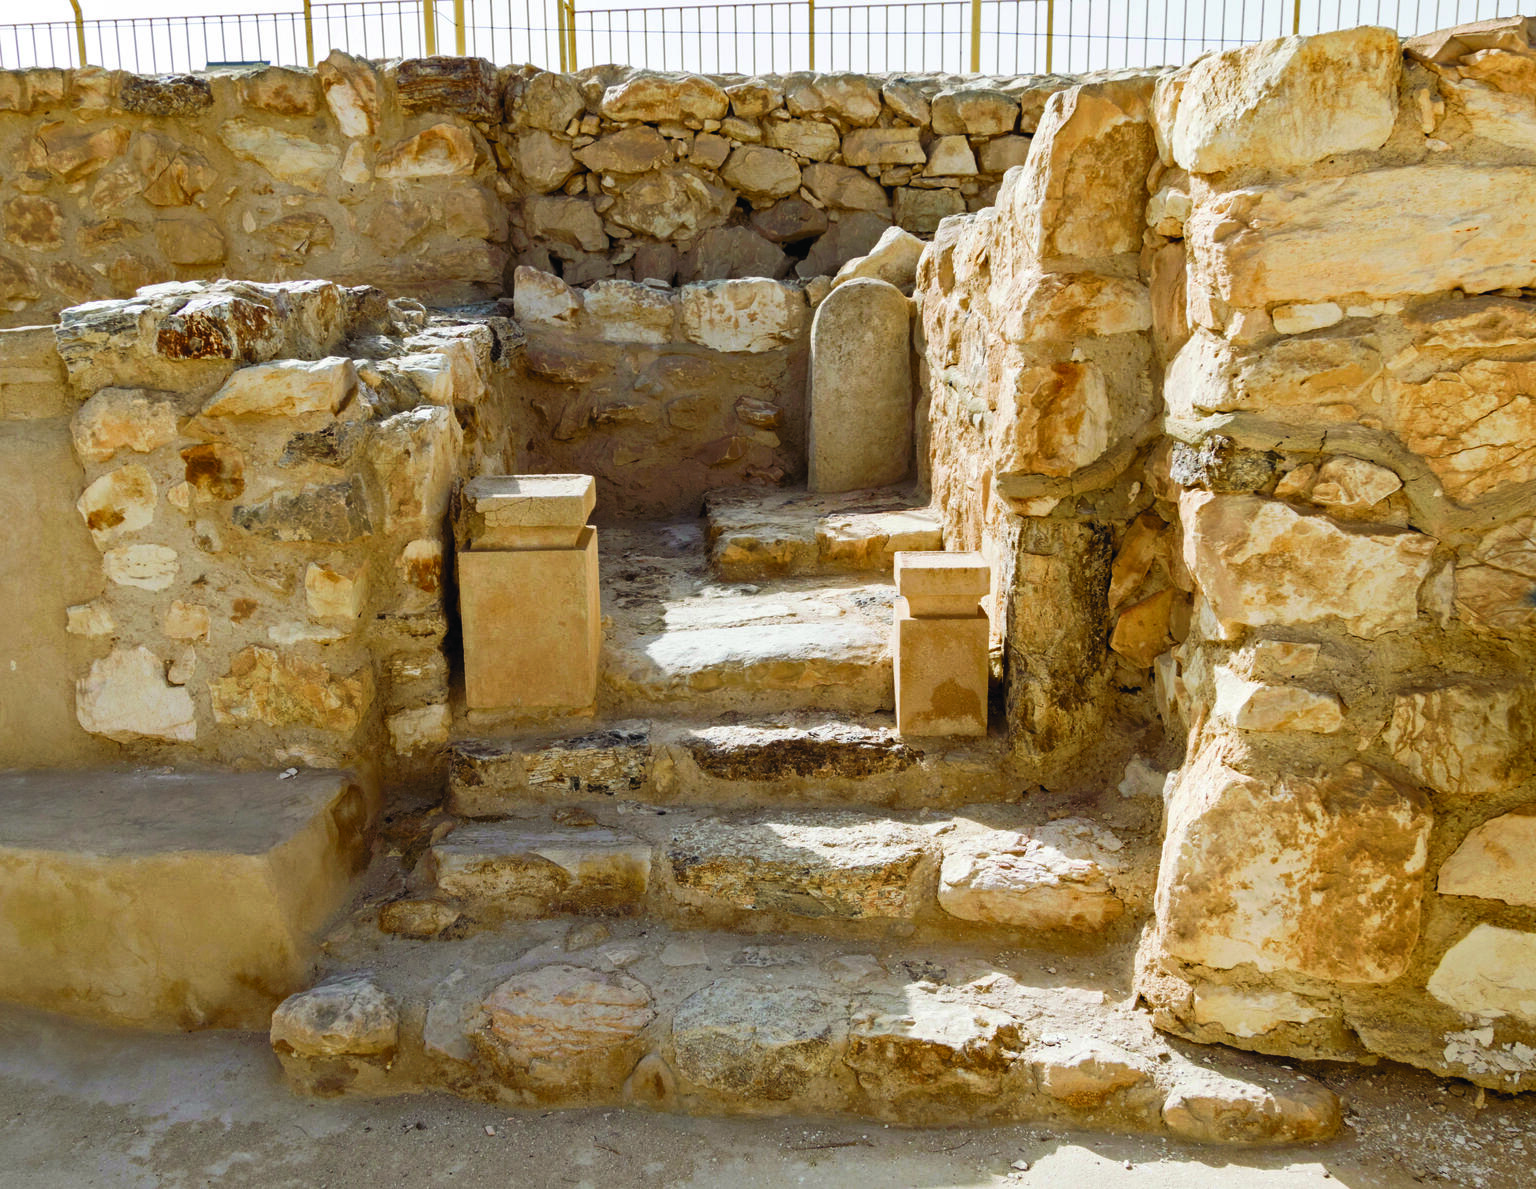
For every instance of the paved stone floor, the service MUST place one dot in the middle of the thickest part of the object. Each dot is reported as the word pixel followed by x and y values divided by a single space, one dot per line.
pixel 82 1106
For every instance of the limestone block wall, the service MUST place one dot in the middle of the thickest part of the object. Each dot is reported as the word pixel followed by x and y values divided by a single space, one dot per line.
pixel 360 173
pixel 263 472
pixel 1324 556
pixel 429 177
pixel 663 394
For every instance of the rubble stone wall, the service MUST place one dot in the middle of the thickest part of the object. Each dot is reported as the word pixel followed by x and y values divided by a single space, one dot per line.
pixel 432 177
pixel 1234 384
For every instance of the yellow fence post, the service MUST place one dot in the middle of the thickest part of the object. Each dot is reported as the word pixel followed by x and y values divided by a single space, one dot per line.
pixel 1050 32
pixel 810 10
pixel 309 34
pixel 429 26
pixel 570 31
pixel 458 27
pixel 79 30
pixel 975 36
pixel 1296 18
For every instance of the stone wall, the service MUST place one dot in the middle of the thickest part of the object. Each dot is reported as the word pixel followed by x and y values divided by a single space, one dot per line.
pixel 431 177
pixel 264 474
pixel 1299 267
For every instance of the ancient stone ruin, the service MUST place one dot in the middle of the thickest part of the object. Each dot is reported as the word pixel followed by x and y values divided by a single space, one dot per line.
pixel 906 597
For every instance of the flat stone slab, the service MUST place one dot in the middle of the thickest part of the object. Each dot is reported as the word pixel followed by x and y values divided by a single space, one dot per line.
pixel 843 865
pixel 756 534
pixel 683 644
pixel 520 869
pixel 172 900
pixel 524 511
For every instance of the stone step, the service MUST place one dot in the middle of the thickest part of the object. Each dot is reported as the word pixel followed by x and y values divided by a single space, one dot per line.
pixel 1005 871
pixel 545 1015
pixel 680 642
pixel 172 900
pixel 755 533
pixel 801 758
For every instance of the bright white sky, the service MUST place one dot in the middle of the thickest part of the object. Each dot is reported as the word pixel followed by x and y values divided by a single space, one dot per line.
pixel 769 35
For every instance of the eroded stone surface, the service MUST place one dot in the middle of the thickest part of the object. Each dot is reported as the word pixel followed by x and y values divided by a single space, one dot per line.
pixel 348 1017
pixel 1055 876
pixel 1494 861
pixel 1463 737
pixel 561 1024
pixel 754 1041
pixel 1212 1108
pixel 1489 973
pixel 525 870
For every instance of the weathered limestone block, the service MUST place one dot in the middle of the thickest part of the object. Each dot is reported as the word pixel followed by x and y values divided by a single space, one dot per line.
pixel 1466 738
pixel 974 111
pixel 540 298
pixel 505 869
pixel 288 388
pixel 569 221
pixel 544 160
pixel 921 1049
pixel 810 139
pixel 548 101
pixel 732 252
pixel 281 90
pixel 165 95
pixel 748 314
pixel 1234 545
pixel 940 643
pixel 842 188
pixel 341 1017
pixel 1208 1107
pixel 1055 876
pixel 1082 192
pixel 148 567
pixel 1061 307
pixel 443 150
pixel 415 455
pixel 1314 874
pixel 830 865
pixel 33 221
pixel 1332 379
pixel 1285 103
pixel 1052 419
pixel 884 146
pixel 70 152
pixel 625 312
pixel 1259 706
pixel 893 260
pixel 464 86
pixel 1493 861
pixel 1491 972
pixel 121 501
pixel 1472 426
pixel 921 211
pixel 564 1028
pixel 629 150
pixel 675 203
pixel 1249 1013
pixel 191 240
pixel 1328 237
pixel 284 690
pixel 762 175
pixel 126 697
pixel 351 89
pixel 852 100
pixel 335 513
pixel 756 1042
pixel 288 157
pixel 1084 1072
pixel 653 98
pixel 860 388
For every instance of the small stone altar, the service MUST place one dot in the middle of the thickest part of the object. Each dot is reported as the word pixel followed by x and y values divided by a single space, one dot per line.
pixel 941 643
pixel 528 592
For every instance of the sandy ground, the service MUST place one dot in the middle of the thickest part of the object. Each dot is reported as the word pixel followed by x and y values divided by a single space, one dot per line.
pixel 82 1106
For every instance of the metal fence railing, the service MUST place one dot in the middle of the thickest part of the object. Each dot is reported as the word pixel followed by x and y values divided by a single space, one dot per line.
pixel 724 37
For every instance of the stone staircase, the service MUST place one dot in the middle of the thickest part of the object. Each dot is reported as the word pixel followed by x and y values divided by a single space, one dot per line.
pixel 736 889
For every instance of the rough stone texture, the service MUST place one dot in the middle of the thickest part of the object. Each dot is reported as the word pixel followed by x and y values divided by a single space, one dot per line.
pixel 843 866
pixel 1367 582
pixel 860 389
pixel 1488 974
pixel 1466 738
pixel 1492 861
pixel 1053 877
pixel 1285 103
pixel 339 1017
pixel 752 1042
pixel 527 871
pixel 1210 1108
pixel 1313 874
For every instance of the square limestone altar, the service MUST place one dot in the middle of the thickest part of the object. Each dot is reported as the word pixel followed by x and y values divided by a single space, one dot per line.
pixel 940 643
pixel 528 592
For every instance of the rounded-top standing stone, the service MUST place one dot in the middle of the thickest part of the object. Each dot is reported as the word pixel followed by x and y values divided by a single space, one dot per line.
pixel 861 388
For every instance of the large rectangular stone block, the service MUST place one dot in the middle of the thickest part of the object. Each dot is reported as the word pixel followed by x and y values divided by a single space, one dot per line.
pixel 532 627
pixel 941 673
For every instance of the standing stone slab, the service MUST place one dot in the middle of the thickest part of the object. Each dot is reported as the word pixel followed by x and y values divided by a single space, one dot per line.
pixel 861 388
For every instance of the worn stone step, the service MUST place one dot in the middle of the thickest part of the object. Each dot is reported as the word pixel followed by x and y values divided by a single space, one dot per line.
pixel 806 757
pixel 542 1014
pixel 755 533
pixel 680 643
pixel 172 900
pixel 982 871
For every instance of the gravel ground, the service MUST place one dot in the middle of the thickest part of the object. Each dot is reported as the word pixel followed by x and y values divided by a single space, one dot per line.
pixel 83 1106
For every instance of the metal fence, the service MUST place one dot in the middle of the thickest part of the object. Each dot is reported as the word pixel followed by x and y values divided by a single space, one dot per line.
pixel 752 36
